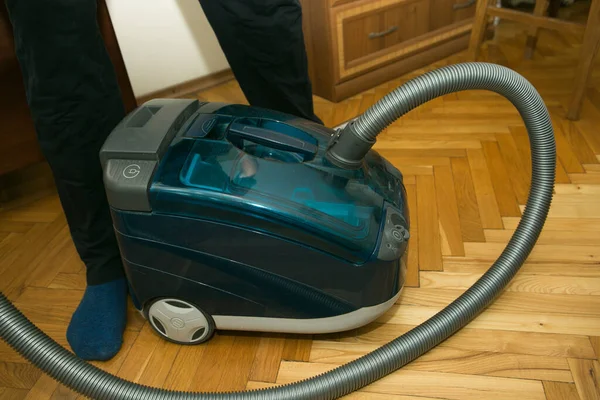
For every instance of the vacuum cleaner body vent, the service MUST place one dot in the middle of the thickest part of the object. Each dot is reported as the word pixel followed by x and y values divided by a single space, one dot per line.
pixel 236 210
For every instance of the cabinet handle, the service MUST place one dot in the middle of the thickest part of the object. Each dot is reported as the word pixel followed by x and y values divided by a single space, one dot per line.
pixel 466 4
pixel 375 35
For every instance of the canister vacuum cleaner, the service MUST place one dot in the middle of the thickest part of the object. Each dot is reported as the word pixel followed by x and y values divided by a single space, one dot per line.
pixel 230 217
pixel 233 217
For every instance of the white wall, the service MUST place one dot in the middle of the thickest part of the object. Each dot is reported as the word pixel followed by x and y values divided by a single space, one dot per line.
pixel 164 42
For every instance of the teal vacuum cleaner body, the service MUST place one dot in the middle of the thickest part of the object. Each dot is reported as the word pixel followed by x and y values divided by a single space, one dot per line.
pixel 231 217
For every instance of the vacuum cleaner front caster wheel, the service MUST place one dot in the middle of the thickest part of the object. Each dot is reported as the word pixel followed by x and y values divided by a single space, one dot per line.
pixel 179 321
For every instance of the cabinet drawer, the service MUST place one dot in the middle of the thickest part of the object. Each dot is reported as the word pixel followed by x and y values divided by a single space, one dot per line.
pixel 448 12
pixel 378 29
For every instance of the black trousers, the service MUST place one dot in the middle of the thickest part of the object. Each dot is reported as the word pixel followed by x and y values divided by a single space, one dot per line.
pixel 75 100
pixel 264 45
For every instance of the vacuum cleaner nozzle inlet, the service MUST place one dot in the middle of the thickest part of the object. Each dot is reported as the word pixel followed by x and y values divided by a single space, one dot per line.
pixel 348 148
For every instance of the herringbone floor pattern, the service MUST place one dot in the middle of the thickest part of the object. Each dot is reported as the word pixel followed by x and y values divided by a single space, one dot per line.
pixel 467 166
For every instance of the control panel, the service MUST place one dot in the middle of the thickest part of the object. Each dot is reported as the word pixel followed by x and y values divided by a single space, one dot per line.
pixel 395 235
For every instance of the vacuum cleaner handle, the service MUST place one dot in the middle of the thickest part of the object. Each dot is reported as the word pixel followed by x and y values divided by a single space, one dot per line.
pixel 272 139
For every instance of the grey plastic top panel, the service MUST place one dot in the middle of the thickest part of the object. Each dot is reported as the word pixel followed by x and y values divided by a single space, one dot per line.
pixel 133 150
pixel 146 133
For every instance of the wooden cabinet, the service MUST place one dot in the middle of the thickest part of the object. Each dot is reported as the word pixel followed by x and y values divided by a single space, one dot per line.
pixel 353 45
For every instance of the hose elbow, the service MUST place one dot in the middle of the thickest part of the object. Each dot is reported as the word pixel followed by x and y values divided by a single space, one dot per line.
pixel 348 149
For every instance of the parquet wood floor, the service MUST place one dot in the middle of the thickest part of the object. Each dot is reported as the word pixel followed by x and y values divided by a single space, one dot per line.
pixel 467 166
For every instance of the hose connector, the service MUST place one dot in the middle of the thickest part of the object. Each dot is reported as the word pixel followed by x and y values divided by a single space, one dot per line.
pixel 347 148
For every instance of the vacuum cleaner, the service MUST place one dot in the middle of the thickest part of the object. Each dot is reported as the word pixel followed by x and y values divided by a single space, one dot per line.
pixel 230 217
pixel 238 218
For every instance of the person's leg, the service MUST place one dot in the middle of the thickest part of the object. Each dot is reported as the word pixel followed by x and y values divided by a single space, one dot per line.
pixel 75 102
pixel 264 45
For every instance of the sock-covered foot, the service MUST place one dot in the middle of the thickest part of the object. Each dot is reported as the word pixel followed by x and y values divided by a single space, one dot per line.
pixel 96 329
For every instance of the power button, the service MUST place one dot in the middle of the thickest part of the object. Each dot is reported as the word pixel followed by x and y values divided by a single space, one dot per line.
pixel 131 171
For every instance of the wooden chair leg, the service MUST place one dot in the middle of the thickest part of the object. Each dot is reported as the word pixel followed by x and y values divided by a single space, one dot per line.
pixel 589 49
pixel 540 10
pixel 553 8
pixel 478 30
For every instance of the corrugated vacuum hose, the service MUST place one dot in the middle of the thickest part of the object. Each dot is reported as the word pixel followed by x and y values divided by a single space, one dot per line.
pixel 348 148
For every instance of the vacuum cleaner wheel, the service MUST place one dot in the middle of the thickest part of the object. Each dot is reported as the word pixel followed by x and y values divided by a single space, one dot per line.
pixel 179 321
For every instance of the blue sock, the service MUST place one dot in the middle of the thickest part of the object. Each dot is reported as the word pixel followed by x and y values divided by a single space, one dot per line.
pixel 96 329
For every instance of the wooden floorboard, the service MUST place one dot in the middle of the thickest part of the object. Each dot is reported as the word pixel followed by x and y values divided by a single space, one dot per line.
pixel 467 168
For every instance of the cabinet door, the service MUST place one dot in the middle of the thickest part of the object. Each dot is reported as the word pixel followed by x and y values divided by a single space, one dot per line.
pixel 381 28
